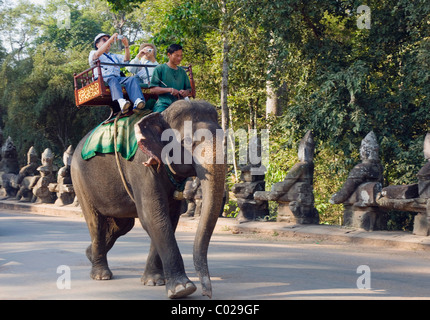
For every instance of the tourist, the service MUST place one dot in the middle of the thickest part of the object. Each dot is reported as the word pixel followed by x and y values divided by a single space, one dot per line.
pixel 169 81
pixel 146 56
pixel 112 74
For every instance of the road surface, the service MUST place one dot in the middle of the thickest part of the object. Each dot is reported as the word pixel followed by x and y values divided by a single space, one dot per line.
pixel 42 257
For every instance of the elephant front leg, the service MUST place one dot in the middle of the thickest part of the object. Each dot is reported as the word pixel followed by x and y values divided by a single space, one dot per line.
pixel 180 286
pixel 165 259
pixel 177 283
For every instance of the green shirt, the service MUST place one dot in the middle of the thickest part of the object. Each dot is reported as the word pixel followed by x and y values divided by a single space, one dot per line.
pixel 166 77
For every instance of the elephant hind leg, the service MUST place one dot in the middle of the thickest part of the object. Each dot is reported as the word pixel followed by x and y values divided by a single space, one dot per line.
pixel 117 227
pixel 154 273
pixel 104 234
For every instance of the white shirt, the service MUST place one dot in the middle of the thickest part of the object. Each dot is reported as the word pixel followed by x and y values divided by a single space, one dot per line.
pixel 145 74
pixel 107 71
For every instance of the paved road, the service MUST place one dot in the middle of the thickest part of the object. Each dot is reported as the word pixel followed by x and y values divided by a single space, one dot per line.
pixel 33 247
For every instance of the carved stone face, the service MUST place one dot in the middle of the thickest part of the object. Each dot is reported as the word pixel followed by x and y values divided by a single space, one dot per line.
pixel 307 147
pixel 369 149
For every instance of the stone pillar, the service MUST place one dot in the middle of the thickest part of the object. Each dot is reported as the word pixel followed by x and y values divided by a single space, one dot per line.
pixel 362 211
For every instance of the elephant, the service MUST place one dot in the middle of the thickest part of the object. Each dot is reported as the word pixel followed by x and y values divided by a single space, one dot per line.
pixel 110 211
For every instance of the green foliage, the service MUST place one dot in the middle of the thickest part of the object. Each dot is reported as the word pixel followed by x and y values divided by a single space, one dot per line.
pixel 41 109
pixel 231 209
pixel 36 96
pixel 123 5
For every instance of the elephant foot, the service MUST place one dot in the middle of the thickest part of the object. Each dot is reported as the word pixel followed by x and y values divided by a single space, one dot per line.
pixel 101 273
pixel 156 279
pixel 180 290
pixel 98 272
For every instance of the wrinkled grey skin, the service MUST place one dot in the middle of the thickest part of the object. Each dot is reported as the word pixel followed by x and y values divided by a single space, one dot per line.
pixel 110 212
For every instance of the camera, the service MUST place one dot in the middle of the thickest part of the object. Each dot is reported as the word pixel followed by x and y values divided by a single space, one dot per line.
pixel 120 37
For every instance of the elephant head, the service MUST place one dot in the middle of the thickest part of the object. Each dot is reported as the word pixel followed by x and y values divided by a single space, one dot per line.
pixel 184 138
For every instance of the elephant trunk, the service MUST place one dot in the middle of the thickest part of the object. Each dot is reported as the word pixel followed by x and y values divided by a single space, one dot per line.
pixel 212 178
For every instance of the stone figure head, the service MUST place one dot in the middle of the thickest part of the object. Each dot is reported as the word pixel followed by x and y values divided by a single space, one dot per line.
pixel 307 147
pixel 427 147
pixel 8 150
pixel 47 162
pixel 67 156
pixel 32 156
pixel 369 149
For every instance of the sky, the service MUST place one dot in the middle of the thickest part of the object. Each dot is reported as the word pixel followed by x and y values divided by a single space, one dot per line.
pixel 14 2
pixel 7 38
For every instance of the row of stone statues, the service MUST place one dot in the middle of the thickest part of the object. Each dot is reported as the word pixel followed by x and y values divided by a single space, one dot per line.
pixel 39 180
pixel 364 199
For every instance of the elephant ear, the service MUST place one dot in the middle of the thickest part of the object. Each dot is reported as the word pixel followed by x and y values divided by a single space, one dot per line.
pixel 148 134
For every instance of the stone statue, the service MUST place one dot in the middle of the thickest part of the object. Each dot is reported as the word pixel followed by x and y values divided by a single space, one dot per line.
pixel 1 142
pixel 64 188
pixel 424 174
pixel 9 167
pixel 47 175
pixel 359 192
pixel 412 197
pixel 250 208
pixel 193 196
pixel 295 193
pixel 422 220
pixel 27 177
pixel 369 170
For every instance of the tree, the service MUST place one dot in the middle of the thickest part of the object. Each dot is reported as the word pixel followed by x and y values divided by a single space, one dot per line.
pixel 36 94
pixel 123 5
pixel 19 25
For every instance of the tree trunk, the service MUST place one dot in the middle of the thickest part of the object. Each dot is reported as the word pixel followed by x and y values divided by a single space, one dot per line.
pixel 271 100
pixel 224 81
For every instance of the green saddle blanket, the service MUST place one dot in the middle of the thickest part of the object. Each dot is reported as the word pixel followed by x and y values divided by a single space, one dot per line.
pixel 101 140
